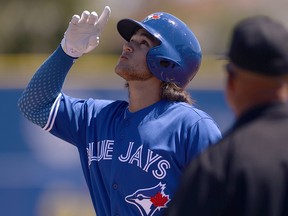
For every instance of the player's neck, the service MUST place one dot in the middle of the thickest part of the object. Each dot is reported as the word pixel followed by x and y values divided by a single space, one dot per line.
pixel 143 94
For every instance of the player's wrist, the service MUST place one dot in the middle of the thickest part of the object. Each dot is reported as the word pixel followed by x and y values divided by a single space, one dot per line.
pixel 70 50
pixel 64 54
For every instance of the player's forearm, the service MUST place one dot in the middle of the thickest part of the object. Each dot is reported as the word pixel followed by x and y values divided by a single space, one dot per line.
pixel 46 84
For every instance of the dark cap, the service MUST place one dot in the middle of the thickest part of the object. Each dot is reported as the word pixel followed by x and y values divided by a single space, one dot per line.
pixel 260 44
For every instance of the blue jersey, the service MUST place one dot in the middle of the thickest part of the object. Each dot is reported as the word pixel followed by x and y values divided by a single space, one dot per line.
pixel 132 161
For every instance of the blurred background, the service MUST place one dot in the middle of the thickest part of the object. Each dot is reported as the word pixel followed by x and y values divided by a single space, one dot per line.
pixel 40 175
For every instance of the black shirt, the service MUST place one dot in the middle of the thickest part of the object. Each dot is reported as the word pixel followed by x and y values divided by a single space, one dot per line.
pixel 245 174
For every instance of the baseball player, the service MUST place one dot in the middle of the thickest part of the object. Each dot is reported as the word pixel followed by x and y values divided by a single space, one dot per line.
pixel 132 153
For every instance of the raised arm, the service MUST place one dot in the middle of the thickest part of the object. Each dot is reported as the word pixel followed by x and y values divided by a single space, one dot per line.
pixel 81 36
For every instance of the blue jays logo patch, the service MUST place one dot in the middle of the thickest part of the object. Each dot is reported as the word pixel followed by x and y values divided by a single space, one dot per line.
pixel 149 200
pixel 152 17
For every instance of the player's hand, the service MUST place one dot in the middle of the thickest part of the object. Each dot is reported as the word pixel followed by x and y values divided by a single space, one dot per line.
pixel 82 34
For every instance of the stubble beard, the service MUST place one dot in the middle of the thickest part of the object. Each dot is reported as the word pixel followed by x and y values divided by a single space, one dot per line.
pixel 132 74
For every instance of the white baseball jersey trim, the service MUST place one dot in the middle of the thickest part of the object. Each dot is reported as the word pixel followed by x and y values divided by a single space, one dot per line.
pixel 53 113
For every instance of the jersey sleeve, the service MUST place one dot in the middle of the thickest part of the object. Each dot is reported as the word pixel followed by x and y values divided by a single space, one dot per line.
pixel 44 88
pixel 67 118
pixel 71 118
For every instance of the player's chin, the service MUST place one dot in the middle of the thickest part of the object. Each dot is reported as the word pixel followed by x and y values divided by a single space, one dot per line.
pixel 120 67
pixel 131 73
pixel 122 72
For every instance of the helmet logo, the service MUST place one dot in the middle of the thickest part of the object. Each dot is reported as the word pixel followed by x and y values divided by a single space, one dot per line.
pixel 152 16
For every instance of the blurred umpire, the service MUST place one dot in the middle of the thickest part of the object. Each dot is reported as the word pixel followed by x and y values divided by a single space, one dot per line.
pixel 247 172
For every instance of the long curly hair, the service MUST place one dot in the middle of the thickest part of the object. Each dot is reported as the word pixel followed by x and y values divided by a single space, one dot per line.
pixel 172 92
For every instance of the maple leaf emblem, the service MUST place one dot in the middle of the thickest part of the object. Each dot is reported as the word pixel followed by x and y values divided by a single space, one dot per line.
pixel 159 200
pixel 152 17
pixel 155 16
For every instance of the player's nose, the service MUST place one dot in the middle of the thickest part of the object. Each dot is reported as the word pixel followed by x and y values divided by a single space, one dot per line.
pixel 127 47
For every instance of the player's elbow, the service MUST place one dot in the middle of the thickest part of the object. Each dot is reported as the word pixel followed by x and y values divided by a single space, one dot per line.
pixel 22 104
pixel 31 111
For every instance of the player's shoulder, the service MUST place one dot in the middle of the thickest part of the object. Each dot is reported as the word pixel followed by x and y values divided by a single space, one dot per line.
pixel 92 102
pixel 189 110
pixel 107 104
pixel 189 116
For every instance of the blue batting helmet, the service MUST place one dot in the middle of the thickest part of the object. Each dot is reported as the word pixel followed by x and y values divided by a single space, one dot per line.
pixel 178 57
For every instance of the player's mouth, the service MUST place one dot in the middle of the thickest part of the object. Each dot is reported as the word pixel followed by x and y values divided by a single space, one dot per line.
pixel 123 57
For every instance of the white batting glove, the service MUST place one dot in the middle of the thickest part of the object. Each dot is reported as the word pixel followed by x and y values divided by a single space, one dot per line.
pixel 82 34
